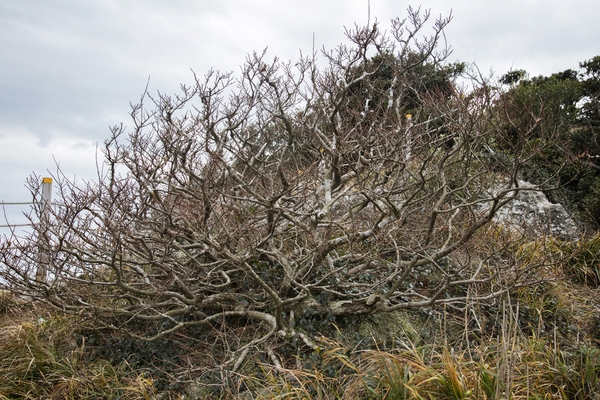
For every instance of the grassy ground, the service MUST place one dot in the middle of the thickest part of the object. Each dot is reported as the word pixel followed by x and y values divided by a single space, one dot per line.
pixel 541 342
pixel 521 356
pixel 41 358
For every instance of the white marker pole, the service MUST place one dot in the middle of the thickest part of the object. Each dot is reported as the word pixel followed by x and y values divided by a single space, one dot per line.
pixel 44 242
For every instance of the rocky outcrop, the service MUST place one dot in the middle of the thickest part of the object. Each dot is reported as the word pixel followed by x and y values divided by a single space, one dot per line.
pixel 532 213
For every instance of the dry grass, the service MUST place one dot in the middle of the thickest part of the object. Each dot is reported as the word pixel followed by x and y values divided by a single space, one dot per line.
pixel 529 369
pixel 42 359
pixel 543 344
pixel 515 362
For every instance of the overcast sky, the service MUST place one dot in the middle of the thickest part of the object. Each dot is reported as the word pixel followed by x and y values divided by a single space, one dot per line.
pixel 70 68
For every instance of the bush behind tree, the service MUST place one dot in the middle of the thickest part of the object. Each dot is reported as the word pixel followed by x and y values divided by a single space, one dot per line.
pixel 567 102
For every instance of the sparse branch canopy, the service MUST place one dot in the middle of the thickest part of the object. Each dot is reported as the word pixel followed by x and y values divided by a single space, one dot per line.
pixel 291 188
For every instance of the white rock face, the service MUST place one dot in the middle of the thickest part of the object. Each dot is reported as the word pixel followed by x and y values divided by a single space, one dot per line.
pixel 532 213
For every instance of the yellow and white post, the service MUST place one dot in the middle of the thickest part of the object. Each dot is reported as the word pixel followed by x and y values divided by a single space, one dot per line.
pixel 44 242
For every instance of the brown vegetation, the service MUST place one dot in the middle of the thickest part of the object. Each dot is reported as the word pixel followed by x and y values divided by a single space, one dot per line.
pixel 240 214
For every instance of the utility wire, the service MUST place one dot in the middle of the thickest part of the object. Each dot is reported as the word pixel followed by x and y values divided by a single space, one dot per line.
pixel 16 203
pixel 14 225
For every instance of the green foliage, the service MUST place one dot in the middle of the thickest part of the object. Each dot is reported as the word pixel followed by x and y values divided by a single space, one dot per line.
pixel 591 90
pixel 514 76
pixel 551 99
pixel 414 75
pixel 565 104
pixel 487 384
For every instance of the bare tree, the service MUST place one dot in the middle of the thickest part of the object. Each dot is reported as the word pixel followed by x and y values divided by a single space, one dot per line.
pixel 293 187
